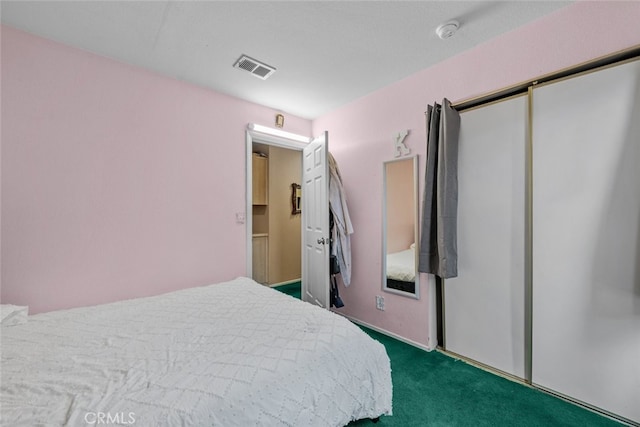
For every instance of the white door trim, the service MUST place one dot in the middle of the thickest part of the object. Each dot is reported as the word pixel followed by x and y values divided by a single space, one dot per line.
pixel 269 136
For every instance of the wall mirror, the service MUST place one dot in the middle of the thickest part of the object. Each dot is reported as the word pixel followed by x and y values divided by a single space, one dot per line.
pixel 400 227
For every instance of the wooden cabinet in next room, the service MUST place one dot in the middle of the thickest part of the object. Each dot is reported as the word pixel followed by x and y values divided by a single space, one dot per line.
pixel 260 174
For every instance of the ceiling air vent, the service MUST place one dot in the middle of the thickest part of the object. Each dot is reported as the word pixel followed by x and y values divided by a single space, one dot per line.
pixel 257 68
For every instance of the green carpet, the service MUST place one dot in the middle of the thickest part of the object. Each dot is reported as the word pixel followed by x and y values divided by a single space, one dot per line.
pixel 292 289
pixel 432 389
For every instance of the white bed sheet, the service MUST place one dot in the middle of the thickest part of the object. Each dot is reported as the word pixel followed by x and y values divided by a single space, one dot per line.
pixel 402 265
pixel 230 354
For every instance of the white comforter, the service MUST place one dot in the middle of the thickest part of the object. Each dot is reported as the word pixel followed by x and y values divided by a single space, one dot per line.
pixel 230 354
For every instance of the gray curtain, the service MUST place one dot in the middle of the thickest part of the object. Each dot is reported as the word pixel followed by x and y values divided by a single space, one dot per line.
pixel 438 242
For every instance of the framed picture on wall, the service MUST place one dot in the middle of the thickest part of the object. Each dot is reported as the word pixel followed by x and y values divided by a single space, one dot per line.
pixel 296 198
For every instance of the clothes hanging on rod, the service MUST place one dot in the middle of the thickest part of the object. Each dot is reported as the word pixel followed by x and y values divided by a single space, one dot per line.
pixel 334 270
pixel 342 228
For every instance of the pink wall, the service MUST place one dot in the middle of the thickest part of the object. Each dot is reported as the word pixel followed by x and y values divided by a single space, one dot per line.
pixel 116 182
pixel 361 133
pixel 111 175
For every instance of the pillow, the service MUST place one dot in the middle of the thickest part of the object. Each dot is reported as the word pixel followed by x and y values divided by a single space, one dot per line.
pixel 11 315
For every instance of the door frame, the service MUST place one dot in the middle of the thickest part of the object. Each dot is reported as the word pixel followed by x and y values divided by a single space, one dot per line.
pixel 268 136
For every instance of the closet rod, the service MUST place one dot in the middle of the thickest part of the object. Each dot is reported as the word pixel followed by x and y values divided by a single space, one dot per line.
pixel 521 88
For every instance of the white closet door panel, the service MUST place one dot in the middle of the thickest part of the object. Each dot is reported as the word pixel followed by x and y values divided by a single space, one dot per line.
pixel 484 305
pixel 586 238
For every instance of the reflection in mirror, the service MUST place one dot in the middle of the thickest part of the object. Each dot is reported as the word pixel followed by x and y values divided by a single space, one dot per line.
pixel 399 227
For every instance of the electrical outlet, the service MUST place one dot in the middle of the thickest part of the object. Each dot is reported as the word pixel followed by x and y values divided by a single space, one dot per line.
pixel 379 302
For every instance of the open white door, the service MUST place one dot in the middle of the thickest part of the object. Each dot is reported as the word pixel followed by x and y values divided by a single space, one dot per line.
pixel 315 222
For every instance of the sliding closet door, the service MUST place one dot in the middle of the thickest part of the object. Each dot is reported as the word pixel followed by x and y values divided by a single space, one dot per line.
pixel 586 238
pixel 484 305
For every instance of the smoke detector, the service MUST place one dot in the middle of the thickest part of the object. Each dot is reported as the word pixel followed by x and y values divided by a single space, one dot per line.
pixel 255 67
pixel 447 29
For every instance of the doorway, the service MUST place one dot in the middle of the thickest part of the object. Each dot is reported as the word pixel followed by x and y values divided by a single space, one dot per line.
pixel 277 226
pixel 315 206
pixel 274 245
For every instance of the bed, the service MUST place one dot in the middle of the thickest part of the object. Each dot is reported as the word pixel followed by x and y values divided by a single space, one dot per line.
pixel 401 270
pixel 229 354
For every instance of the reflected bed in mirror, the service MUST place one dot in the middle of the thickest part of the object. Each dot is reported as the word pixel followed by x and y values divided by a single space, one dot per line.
pixel 399 227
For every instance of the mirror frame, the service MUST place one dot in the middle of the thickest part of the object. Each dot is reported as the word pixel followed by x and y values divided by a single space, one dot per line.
pixel 416 227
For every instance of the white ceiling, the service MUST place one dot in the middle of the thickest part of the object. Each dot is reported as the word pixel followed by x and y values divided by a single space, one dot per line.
pixel 326 53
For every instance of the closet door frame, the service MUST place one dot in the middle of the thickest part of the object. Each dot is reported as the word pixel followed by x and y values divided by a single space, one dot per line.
pixel 598 64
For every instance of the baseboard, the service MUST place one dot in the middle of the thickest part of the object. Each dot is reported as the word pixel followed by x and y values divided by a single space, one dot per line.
pixel 387 333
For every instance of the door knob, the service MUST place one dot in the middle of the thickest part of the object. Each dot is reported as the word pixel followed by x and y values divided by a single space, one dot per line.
pixel 322 241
